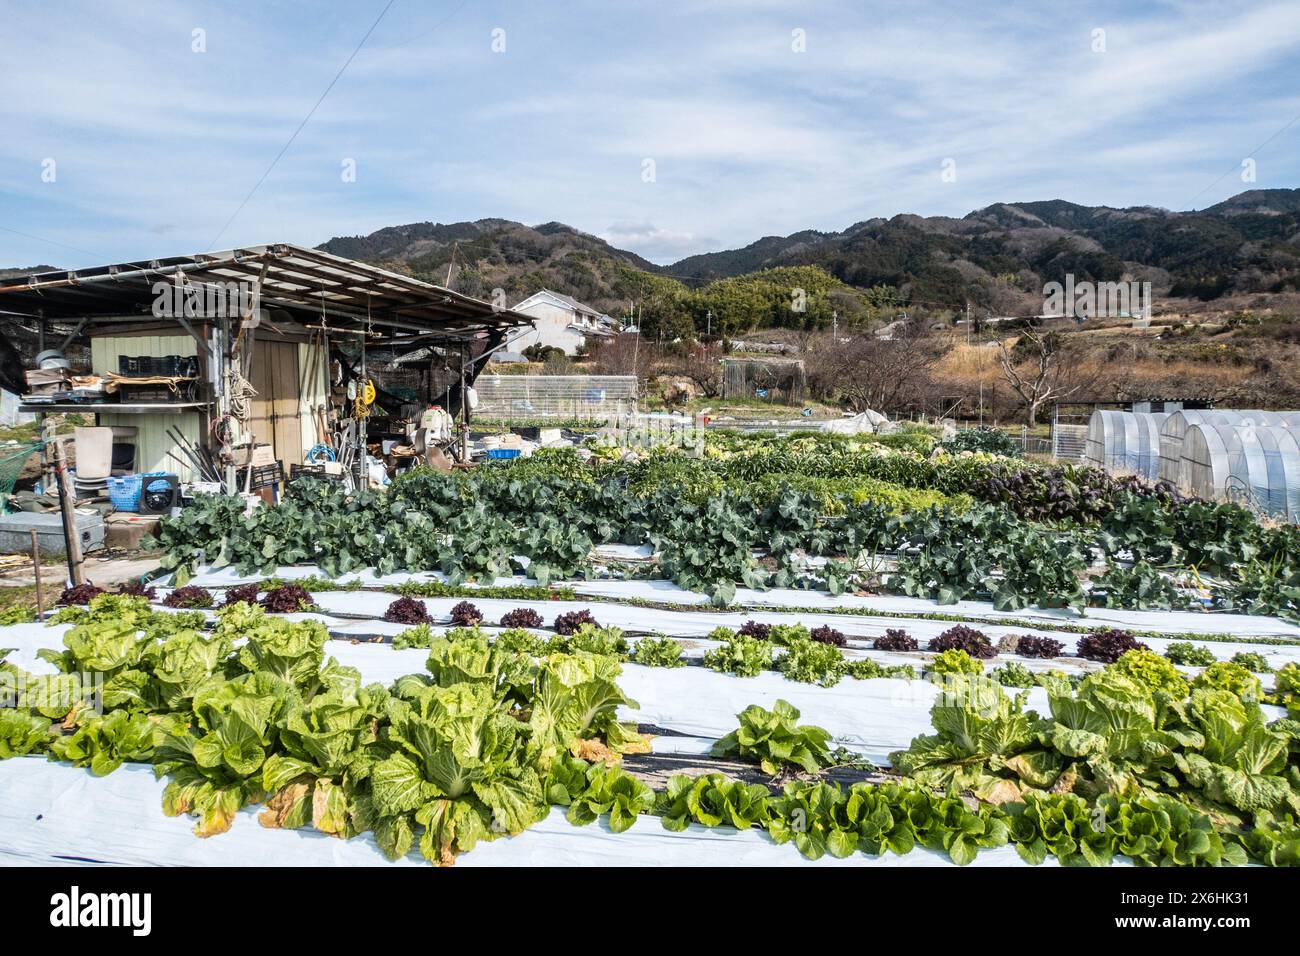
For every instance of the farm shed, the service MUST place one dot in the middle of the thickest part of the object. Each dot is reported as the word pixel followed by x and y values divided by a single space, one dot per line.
pixel 274 333
pixel 1125 441
pixel 778 380
pixel 1256 465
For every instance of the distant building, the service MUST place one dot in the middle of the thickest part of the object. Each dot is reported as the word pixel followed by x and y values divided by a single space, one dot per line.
pixel 562 322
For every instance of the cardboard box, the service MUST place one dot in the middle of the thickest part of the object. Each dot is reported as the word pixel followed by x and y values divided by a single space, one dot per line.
pixel 127 530
pixel 261 454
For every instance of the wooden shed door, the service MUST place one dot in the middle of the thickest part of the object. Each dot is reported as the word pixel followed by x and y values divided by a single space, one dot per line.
pixel 275 409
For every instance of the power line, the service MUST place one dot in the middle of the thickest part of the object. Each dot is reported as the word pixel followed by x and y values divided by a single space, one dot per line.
pixel 1247 156
pixel 62 245
pixel 301 125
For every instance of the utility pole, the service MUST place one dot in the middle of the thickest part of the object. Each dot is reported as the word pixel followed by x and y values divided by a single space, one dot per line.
pixel 708 324
pixel 835 325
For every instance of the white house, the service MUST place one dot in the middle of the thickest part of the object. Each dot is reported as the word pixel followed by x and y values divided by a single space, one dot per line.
pixel 561 321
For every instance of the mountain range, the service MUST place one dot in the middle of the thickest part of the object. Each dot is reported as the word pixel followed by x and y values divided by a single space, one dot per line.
pixel 1247 244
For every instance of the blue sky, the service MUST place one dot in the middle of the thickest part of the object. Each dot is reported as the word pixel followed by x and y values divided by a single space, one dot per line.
pixel 155 146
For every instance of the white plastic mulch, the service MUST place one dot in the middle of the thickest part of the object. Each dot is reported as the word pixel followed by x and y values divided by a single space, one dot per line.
pixel 665 592
pixel 52 815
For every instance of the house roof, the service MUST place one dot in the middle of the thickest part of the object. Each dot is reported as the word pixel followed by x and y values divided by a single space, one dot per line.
pixel 568 300
pixel 313 286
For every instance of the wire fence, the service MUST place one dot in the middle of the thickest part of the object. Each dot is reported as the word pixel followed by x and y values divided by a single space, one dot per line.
pixel 555 397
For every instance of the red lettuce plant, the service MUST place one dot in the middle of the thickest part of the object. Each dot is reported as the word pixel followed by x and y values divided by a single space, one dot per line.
pixel 1109 645
pixel 466 614
pixel 190 596
pixel 570 622
pixel 759 632
pixel 243 592
pixel 407 610
pixel 895 639
pixel 81 594
pixel 287 598
pixel 828 635
pixel 1031 645
pixel 136 589
pixel 963 638
pixel 522 617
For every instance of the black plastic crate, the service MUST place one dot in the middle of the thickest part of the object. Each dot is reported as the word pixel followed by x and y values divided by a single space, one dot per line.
pixel 267 476
pixel 155 394
pixel 312 471
pixel 181 366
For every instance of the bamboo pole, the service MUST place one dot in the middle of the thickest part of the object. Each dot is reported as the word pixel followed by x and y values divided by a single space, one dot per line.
pixel 36 571
pixel 67 508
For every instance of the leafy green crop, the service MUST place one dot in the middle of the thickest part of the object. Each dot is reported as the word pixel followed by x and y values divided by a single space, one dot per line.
pixel 1185 652
pixel 812 662
pixel 104 743
pixel 742 656
pixel 775 740
pixel 713 800
pixel 955 662
pixel 591 790
pixel 658 652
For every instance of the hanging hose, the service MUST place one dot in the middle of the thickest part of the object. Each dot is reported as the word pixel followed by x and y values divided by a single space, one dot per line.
pixel 241 393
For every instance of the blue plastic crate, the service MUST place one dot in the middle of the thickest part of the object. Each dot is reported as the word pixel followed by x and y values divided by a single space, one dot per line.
pixel 503 453
pixel 124 491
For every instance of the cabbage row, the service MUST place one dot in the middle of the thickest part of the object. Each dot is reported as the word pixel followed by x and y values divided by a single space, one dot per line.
pixel 706 532
pixel 490 738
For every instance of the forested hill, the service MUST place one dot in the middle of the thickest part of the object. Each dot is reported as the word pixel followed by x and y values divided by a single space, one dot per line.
pixel 996 258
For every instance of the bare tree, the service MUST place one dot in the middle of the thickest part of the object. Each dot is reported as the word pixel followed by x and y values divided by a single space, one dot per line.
pixel 884 373
pixel 1042 368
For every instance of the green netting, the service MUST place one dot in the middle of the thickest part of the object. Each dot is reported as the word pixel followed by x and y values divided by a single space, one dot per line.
pixel 12 460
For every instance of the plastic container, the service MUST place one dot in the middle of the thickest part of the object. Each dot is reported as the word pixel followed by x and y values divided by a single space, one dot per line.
pixel 502 453
pixel 124 491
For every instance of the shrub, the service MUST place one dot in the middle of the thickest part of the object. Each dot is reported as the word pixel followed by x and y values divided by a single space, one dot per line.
pixel 955 661
pixel 760 632
pixel 287 598
pixel 1031 645
pixel 570 622
pixel 828 635
pixel 465 614
pixel 1185 652
pixel 242 592
pixel 1108 646
pixel 407 610
pixel 1235 679
pixel 1256 663
pixel 190 596
pixel 895 639
pixel 522 617
pixel 136 589
pixel 1153 671
pixel 81 594
pixel 963 638
pixel 658 652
